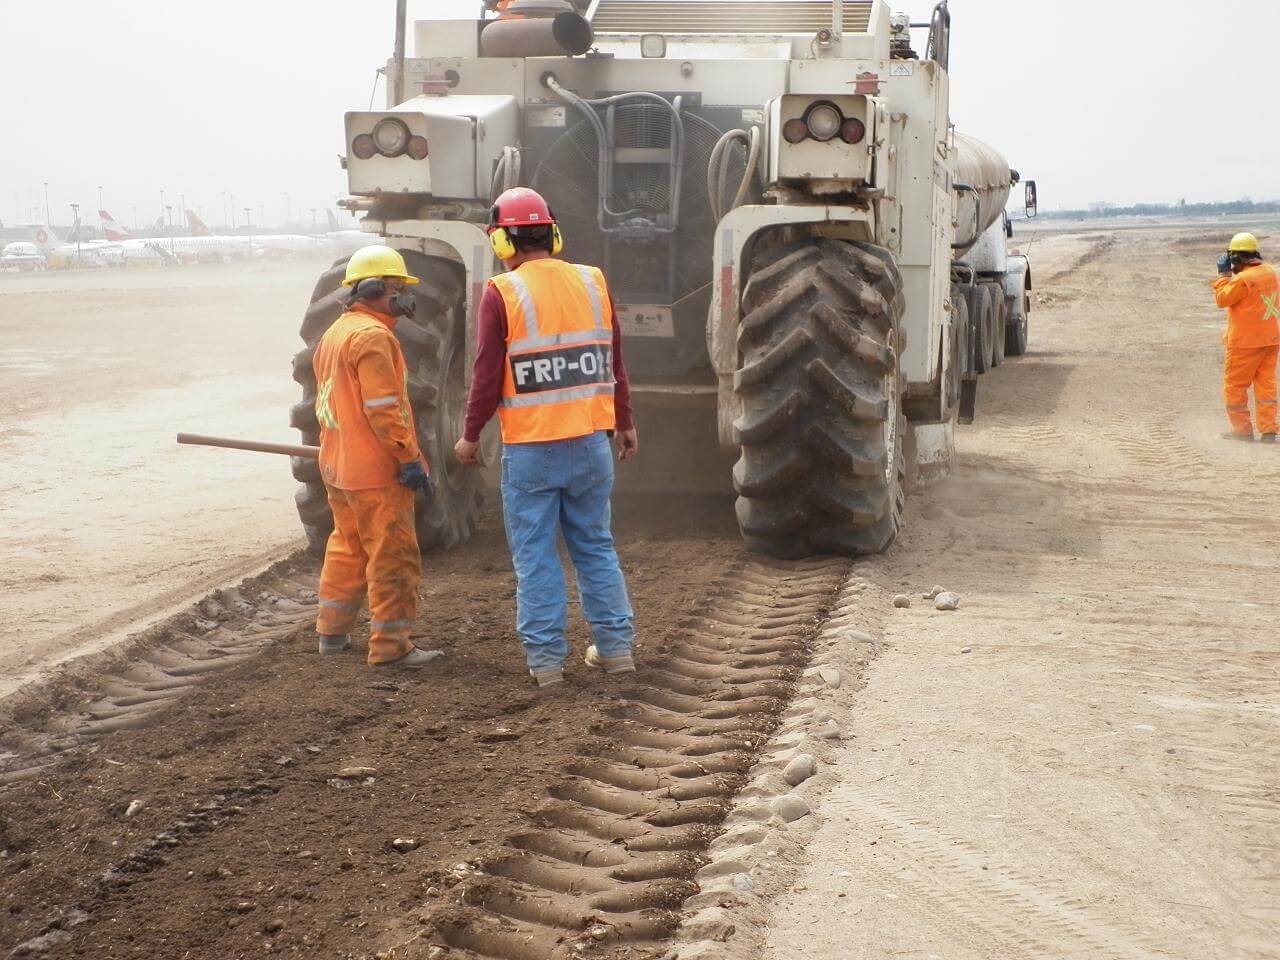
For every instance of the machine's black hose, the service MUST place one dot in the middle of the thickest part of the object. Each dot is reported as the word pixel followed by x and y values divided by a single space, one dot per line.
pixel 605 175
pixel 939 49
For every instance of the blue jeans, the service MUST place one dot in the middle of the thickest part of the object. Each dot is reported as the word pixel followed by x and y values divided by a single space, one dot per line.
pixel 564 486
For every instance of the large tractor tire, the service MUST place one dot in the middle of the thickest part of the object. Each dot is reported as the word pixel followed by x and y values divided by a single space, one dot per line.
pixel 434 345
pixel 1015 343
pixel 980 328
pixel 1000 335
pixel 822 466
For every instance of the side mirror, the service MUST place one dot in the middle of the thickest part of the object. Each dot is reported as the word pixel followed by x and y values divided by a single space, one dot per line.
pixel 1031 199
pixel 1008 228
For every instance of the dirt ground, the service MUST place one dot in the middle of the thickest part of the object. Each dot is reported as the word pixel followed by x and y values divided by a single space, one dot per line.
pixel 1080 762
pixel 1083 761
pixel 106 520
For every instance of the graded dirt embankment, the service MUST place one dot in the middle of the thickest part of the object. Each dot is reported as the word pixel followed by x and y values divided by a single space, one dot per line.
pixel 106 520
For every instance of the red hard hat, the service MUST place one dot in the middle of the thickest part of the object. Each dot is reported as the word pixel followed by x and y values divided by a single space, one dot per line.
pixel 519 207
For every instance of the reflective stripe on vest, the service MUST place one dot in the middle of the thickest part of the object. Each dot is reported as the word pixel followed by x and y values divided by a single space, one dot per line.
pixel 558 381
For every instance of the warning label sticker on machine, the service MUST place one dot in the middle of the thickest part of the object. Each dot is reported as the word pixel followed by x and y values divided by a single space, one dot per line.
pixel 545 116
pixel 902 69
pixel 646 320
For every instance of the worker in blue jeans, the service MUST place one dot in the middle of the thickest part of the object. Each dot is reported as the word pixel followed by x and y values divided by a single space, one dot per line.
pixel 549 361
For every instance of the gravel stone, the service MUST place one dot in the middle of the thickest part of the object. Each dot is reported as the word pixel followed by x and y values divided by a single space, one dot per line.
pixel 829 731
pixel 932 594
pixel 356 773
pixel 404 844
pixel 902 601
pixel 41 944
pixel 830 676
pixel 791 807
pixel 743 882
pixel 947 601
pixel 800 769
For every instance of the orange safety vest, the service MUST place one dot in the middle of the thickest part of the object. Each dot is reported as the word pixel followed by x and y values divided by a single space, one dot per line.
pixel 362 402
pixel 1252 301
pixel 558 380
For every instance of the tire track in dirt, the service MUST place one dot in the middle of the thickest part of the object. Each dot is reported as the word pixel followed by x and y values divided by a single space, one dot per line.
pixel 126 689
pixel 981 904
pixel 611 852
pixel 605 859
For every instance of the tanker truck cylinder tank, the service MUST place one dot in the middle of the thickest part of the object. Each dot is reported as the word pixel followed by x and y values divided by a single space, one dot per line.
pixel 982 184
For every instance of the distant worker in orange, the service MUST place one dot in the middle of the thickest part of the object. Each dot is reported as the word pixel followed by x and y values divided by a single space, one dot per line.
pixel 1248 289
pixel 371 465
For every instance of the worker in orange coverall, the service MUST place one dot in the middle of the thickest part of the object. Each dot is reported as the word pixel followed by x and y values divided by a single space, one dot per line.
pixel 1249 291
pixel 371 465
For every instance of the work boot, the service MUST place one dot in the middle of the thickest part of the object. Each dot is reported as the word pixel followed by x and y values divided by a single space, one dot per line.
pixel 548 678
pixel 1245 437
pixel 416 657
pixel 625 663
pixel 329 645
pixel 1268 438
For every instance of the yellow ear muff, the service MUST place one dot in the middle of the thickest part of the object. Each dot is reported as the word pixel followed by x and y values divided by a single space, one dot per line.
pixel 502 245
pixel 557 241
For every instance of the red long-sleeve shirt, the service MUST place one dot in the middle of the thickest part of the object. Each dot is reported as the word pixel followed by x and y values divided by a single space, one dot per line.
pixel 491 358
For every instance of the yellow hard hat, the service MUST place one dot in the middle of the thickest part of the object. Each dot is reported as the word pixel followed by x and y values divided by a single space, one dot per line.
pixel 376 260
pixel 1244 243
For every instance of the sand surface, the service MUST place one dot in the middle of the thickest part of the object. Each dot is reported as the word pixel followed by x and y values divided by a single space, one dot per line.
pixel 1081 762
pixel 104 520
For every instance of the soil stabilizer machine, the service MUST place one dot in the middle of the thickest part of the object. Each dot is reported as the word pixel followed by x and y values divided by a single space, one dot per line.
pixel 808 261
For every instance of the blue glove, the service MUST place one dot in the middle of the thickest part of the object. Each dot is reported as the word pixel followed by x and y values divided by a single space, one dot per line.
pixel 413 476
pixel 1224 263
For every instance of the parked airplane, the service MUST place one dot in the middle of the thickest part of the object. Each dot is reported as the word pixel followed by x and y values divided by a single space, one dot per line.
pixel 339 241
pixel 21 255
pixel 270 244
pixel 115 232
pixel 96 253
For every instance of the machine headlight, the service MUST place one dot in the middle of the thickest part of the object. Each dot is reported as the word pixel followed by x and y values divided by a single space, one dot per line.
pixel 418 148
pixel 853 130
pixel 793 131
pixel 363 147
pixel 823 121
pixel 391 136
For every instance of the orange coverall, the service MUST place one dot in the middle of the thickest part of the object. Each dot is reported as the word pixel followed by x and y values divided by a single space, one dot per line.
pixel 366 434
pixel 1252 301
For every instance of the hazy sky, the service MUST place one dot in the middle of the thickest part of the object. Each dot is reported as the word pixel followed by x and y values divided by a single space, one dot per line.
pixel 1098 100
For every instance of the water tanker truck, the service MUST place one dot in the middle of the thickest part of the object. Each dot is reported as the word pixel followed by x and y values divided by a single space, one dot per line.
pixel 808 261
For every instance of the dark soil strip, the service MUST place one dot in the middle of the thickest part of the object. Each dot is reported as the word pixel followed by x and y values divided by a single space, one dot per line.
pixel 231 823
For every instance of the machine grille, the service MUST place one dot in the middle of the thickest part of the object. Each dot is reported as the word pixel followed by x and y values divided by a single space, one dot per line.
pixel 675 17
pixel 652 271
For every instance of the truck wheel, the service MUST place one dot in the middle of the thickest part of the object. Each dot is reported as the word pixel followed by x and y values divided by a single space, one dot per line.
pixel 434 348
pixel 978 331
pixel 1015 340
pixel 822 467
pixel 999 334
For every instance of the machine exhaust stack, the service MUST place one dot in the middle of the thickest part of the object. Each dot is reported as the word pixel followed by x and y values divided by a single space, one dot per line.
pixel 538 28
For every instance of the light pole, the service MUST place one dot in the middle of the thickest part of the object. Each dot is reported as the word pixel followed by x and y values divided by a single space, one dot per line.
pixel 162 216
pixel 182 210
pixel 314 226
pixel 48 220
pixel 233 211
pixel 75 220
pixel 288 211
pixel 99 196
pixel 168 220
pixel 247 222
pixel 135 218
